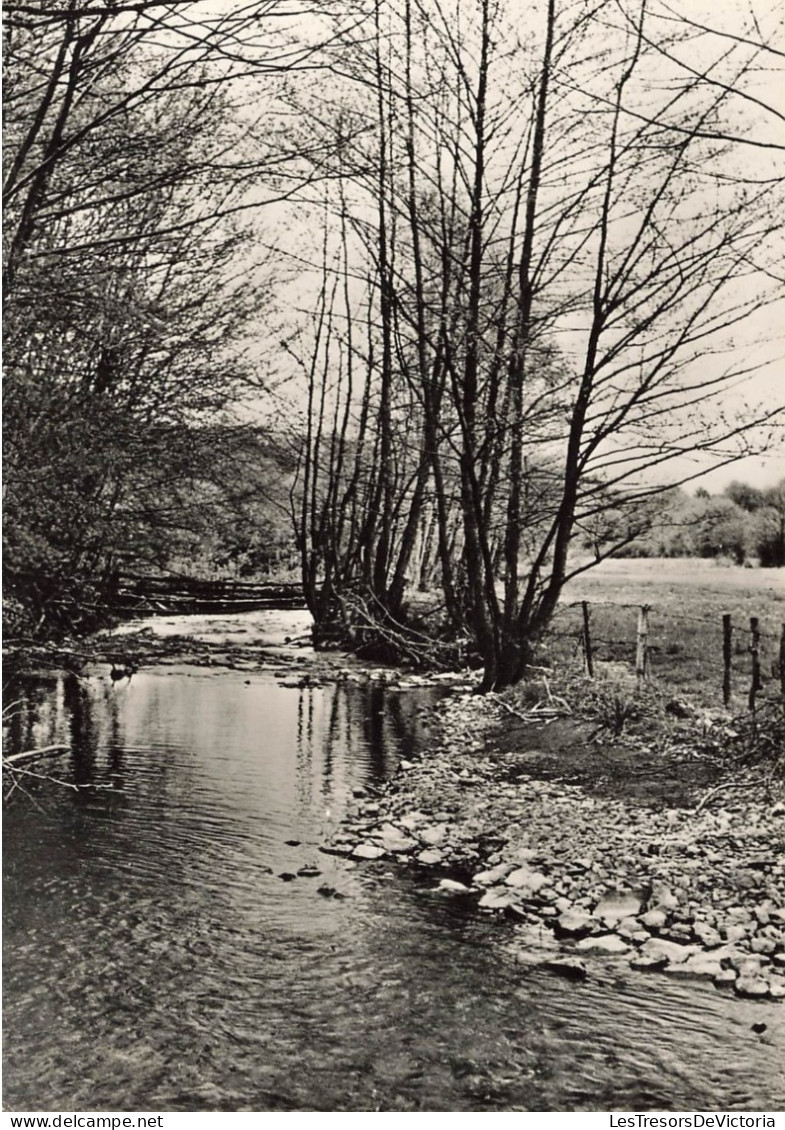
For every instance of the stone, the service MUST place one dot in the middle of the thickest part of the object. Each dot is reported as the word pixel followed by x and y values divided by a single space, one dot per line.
pixel 680 932
pixel 649 963
pixel 706 935
pixel 430 857
pixel 581 864
pixel 398 844
pixel 662 897
pixel 725 978
pixel 763 945
pixel 628 927
pixel 674 952
pixel 654 919
pixel 516 912
pixel 616 905
pixel 524 879
pixel 573 924
pixel 453 887
pixel 493 875
pixel 570 967
pixel 699 965
pixel 776 988
pixel 434 835
pixel 405 765
pixel 746 963
pixel 749 985
pixel 411 820
pixel 604 943
pixel 368 851
pixel 497 898
pixel 735 932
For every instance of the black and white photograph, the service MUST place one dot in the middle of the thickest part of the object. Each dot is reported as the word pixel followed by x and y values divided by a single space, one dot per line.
pixel 394 561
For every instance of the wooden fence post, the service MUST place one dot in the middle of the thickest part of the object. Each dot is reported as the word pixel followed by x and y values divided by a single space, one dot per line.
pixel 587 651
pixel 755 684
pixel 782 661
pixel 727 653
pixel 642 661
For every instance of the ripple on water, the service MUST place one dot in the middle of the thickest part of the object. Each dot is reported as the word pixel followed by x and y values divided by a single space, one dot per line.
pixel 155 960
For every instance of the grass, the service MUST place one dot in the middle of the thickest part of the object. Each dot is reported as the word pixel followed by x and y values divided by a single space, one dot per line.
pixel 687 598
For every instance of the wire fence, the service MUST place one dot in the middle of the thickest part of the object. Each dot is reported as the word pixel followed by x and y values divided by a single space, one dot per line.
pixel 723 655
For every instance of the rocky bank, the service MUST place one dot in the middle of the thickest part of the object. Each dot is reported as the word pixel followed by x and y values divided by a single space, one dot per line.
pixel 689 891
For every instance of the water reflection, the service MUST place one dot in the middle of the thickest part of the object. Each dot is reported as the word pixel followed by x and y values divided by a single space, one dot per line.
pixel 155 959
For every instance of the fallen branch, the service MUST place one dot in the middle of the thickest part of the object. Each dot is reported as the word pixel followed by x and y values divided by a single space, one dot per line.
pixel 722 788
pixel 33 754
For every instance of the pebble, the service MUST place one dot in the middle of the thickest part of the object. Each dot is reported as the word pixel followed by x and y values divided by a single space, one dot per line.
pixel 602 875
pixel 493 875
pixel 674 952
pixel 434 835
pixel 706 935
pixel 604 943
pixel 573 924
pixel 698 965
pixel 650 963
pixel 497 898
pixel 453 887
pixel 751 986
pixel 525 879
pixel 725 978
pixel 368 851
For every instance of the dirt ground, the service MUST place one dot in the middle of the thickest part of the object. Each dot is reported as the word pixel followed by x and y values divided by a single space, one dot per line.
pixel 563 752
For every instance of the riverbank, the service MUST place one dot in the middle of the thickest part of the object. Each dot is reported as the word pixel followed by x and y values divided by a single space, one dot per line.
pixel 663 864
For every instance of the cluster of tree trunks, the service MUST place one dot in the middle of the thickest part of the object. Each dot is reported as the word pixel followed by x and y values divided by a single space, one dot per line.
pixel 536 255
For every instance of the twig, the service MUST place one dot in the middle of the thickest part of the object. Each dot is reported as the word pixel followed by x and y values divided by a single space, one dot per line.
pixel 58 780
pixel 508 708
pixel 721 788
pixel 17 785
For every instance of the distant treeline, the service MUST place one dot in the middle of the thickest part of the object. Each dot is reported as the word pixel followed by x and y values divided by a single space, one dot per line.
pixel 743 524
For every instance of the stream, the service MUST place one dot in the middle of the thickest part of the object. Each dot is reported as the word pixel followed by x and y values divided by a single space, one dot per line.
pixel 156 960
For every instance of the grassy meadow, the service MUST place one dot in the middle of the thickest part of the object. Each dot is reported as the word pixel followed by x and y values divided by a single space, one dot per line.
pixel 687 597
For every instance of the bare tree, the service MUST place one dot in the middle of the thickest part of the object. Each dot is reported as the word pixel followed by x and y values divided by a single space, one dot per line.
pixel 562 271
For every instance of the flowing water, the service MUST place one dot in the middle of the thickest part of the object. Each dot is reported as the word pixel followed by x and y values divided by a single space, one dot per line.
pixel 156 960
